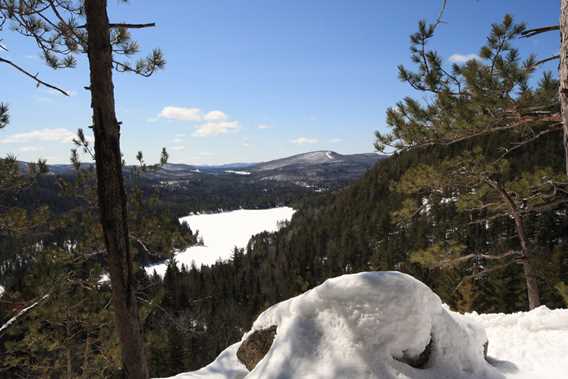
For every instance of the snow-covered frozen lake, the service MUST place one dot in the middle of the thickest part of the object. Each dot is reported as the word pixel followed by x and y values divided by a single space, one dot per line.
pixel 221 232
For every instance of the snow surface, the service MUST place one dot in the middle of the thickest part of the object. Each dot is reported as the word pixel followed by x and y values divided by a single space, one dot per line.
pixel 223 231
pixel 528 345
pixel 354 326
pixel 225 366
pixel 237 172
pixel 2 290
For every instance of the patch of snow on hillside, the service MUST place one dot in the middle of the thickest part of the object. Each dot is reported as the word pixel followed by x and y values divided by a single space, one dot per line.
pixel 237 172
pixel 329 155
pixel 355 326
pixel 221 232
pixel 2 290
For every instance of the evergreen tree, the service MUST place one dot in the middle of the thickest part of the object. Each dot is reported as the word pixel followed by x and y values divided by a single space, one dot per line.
pixel 54 28
pixel 469 101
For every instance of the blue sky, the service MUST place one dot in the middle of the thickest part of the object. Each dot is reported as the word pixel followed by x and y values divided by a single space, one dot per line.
pixel 253 80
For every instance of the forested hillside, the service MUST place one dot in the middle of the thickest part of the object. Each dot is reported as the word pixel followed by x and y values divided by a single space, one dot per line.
pixel 353 231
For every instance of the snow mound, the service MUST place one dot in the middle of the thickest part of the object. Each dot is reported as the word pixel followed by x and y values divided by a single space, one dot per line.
pixel 225 366
pixel 359 326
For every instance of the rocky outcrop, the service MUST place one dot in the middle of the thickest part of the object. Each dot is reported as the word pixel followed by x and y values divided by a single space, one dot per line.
pixel 255 347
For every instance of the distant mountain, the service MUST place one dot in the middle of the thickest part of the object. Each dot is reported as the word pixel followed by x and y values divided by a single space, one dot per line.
pixel 316 167
pixel 316 170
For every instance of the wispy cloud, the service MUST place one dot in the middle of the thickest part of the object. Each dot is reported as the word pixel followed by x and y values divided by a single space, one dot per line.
pixel 177 148
pixel 461 58
pixel 45 135
pixel 304 141
pixel 246 142
pixel 216 128
pixel 335 140
pixel 25 149
pixel 264 126
pixel 181 113
pixel 177 140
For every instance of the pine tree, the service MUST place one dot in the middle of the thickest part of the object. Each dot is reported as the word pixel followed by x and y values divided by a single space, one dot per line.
pixel 54 28
pixel 475 99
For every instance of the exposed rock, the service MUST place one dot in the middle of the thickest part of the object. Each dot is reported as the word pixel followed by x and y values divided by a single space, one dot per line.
pixel 255 347
pixel 420 360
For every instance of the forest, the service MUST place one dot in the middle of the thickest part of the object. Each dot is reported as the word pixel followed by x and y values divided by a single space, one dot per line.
pixel 472 201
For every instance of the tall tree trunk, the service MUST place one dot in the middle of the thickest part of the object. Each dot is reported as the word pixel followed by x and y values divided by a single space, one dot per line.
pixel 110 188
pixel 564 74
pixel 533 292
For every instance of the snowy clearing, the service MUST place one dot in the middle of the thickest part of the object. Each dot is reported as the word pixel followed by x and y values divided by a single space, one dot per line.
pixel 358 326
pixel 221 232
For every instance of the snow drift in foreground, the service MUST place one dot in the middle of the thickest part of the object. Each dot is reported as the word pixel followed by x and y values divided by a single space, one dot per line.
pixel 356 326
pixel 223 231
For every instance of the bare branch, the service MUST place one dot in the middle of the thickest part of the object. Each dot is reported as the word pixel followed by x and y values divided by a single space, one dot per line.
pixel 132 26
pixel 533 32
pixel 38 81
pixel 125 25
pixel 441 14
pixel 21 313
pixel 552 58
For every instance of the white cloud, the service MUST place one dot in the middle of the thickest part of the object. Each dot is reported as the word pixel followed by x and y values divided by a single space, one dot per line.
pixel 215 116
pixel 177 140
pixel 180 135
pixel 214 123
pixel 177 148
pixel 460 58
pixel 181 113
pixel 47 135
pixel 304 141
pixel 216 128
pixel 335 140
pixel 264 126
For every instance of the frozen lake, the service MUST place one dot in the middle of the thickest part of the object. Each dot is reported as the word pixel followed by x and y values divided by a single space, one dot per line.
pixel 221 232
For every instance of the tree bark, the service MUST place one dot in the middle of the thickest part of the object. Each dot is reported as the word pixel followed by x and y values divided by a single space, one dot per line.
pixel 564 74
pixel 110 190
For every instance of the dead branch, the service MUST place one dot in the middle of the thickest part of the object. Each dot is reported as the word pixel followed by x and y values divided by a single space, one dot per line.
pixel 38 81
pixel 533 32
